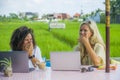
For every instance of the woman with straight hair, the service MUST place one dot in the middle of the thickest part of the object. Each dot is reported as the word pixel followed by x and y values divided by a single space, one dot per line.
pixel 90 44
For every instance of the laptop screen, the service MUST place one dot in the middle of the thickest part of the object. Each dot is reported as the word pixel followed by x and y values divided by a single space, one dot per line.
pixel 65 60
pixel 19 60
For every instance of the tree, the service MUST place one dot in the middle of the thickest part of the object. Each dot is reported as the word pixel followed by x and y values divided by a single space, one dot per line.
pixel 13 16
pixel 35 16
pixel 115 9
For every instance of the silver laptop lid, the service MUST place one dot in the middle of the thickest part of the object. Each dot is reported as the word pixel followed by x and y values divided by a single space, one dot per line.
pixel 65 60
pixel 19 60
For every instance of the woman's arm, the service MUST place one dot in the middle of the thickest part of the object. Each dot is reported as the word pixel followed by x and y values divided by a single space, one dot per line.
pixel 38 56
pixel 37 53
pixel 91 52
pixel 94 57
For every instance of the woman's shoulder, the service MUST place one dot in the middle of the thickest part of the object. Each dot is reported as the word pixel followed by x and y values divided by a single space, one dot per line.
pixel 36 50
pixel 98 45
pixel 37 47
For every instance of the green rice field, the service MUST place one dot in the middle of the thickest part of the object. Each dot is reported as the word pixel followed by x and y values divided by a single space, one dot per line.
pixel 57 39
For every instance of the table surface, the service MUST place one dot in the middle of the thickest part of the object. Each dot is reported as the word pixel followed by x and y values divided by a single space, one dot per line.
pixel 48 74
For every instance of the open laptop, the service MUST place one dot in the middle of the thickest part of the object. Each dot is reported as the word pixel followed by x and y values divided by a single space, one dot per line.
pixel 19 60
pixel 65 60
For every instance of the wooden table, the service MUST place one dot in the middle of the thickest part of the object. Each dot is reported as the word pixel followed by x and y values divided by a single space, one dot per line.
pixel 48 74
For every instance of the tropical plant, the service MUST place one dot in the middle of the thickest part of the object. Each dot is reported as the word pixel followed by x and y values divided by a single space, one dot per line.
pixel 7 64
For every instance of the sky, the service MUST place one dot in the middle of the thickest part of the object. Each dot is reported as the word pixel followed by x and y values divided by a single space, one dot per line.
pixel 50 6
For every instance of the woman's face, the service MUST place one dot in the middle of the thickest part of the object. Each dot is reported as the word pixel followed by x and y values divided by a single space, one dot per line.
pixel 85 31
pixel 28 39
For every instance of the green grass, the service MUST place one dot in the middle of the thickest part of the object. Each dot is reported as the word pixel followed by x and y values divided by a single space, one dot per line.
pixel 57 39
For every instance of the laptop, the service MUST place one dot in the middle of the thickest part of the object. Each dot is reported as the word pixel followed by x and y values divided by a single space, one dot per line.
pixel 19 60
pixel 65 60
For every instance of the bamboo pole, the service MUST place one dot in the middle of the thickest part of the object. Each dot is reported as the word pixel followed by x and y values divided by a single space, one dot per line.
pixel 107 36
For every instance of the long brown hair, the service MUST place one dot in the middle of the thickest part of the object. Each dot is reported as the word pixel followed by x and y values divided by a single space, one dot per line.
pixel 18 37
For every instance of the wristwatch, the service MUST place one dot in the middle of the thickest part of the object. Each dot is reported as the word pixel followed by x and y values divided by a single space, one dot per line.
pixel 30 57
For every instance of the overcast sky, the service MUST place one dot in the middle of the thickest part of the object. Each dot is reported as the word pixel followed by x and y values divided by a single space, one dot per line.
pixel 50 6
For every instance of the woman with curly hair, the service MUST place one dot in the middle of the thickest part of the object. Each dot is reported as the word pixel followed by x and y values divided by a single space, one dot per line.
pixel 22 39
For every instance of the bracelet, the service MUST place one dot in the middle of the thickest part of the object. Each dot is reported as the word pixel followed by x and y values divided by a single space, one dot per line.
pixel 30 57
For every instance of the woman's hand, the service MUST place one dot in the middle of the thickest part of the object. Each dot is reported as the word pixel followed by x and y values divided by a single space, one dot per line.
pixel 36 63
pixel 84 39
pixel 29 48
pixel 41 65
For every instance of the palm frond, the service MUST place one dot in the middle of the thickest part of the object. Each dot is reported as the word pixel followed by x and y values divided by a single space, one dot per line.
pixel 6 62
